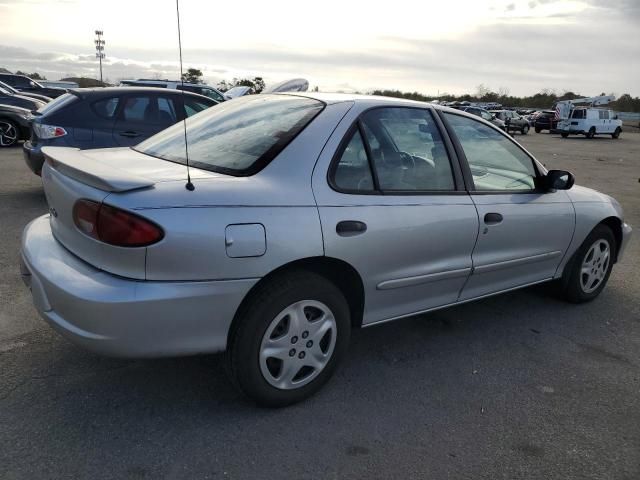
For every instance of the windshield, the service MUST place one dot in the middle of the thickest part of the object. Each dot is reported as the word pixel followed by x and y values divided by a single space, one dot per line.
pixel 236 138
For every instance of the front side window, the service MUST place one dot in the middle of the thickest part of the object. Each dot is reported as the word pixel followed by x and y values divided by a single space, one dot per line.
pixel 496 163
pixel 236 138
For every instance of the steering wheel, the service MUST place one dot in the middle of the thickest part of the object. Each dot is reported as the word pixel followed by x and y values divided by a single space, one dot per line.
pixel 408 162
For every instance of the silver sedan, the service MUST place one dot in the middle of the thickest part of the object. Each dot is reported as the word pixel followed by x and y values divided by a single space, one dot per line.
pixel 305 216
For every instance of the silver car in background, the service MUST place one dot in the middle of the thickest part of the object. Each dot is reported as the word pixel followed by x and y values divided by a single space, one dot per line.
pixel 312 214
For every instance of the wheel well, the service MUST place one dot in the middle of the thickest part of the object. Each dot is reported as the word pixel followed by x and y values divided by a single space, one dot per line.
pixel 339 272
pixel 615 224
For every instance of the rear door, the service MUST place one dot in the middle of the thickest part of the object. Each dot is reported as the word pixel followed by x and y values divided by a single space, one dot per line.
pixel 524 232
pixel 142 115
pixel 392 205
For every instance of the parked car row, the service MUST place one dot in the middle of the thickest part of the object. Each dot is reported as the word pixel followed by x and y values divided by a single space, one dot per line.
pixel 107 117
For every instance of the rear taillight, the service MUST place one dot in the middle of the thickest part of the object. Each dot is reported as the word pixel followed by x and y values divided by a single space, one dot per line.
pixel 46 132
pixel 114 226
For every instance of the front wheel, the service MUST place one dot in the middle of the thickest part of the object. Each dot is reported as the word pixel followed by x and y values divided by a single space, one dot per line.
pixel 8 133
pixel 564 135
pixel 617 133
pixel 591 133
pixel 288 338
pixel 589 269
pixel 525 130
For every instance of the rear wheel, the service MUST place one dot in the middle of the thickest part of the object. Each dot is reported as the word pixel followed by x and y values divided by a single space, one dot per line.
pixel 289 338
pixel 525 130
pixel 564 135
pixel 538 130
pixel 8 133
pixel 617 133
pixel 589 269
pixel 591 133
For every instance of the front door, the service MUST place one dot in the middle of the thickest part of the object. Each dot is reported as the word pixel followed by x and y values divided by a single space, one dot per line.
pixel 524 232
pixel 393 207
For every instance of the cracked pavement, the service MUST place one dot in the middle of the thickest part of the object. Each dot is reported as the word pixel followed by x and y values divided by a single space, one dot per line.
pixel 519 386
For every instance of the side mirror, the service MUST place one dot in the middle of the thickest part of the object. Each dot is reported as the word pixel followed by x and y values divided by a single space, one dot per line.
pixel 558 180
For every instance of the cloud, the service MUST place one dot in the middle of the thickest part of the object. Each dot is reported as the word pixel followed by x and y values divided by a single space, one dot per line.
pixel 525 57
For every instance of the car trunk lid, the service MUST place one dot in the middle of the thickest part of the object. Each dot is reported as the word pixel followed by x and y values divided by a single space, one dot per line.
pixel 70 174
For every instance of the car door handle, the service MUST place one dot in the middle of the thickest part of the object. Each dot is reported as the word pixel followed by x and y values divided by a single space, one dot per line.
pixel 130 134
pixel 349 228
pixel 492 218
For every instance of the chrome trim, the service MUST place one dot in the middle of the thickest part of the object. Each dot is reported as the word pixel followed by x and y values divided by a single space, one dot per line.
pixel 420 279
pixel 515 262
pixel 453 304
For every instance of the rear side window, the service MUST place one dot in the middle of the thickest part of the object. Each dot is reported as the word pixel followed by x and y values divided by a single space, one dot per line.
pixel 135 108
pixel 106 108
pixel 238 137
pixel 405 150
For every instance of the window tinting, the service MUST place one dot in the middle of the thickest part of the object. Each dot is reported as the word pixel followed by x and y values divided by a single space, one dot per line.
pixel 407 150
pixel 106 108
pixel 166 112
pixel 136 107
pixel 237 137
pixel 353 172
pixel 193 106
pixel 496 163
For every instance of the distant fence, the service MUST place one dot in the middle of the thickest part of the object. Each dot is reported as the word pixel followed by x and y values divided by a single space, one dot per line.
pixel 629 116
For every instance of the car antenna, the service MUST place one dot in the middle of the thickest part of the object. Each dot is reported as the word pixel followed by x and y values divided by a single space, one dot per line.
pixel 189 186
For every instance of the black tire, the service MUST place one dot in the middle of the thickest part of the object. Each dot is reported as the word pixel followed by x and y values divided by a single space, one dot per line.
pixel 9 133
pixel 571 283
pixel 257 314
pixel 564 135
pixel 617 133
pixel 591 133
pixel 524 130
pixel 537 129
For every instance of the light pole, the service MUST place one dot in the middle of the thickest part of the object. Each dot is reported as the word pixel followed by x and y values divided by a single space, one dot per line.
pixel 99 49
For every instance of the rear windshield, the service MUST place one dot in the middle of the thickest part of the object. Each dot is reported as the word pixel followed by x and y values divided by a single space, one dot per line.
pixel 238 137
pixel 57 103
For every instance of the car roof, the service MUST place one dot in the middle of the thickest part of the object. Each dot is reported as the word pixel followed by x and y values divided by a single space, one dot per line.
pixel 108 91
pixel 375 101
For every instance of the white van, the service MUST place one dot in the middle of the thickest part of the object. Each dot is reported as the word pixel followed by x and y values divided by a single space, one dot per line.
pixel 589 121
pixel 198 88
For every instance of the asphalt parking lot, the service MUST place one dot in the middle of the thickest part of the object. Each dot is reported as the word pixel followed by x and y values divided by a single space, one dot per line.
pixel 516 386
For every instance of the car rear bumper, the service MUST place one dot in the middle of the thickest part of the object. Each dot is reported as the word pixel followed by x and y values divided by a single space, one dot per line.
pixel 33 157
pixel 121 317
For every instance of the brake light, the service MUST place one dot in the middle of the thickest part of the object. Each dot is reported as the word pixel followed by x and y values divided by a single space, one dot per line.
pixel 46 132
pixel 114 226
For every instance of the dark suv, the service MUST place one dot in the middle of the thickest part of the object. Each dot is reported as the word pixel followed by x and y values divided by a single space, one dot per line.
pixel 107 117
pixel 512 121
pixel 25 84
pixel 545 120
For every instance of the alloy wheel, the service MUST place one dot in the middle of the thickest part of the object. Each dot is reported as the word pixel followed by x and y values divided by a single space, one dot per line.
pixel 595 266
pixel 8 134
pixel 298 344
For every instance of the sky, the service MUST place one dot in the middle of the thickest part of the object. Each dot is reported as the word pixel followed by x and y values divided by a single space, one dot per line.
pixel 429 46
